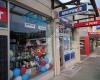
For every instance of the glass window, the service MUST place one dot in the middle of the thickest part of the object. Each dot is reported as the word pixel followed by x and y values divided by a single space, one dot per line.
pixel 30 43
pixel 66 37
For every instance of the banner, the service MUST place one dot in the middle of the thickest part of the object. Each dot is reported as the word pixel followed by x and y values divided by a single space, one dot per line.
pixel 3 15
pixel 94 33
pixel 87 24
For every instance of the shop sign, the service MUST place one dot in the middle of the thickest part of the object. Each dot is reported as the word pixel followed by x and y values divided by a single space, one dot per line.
pixel 74 10
pixel 97 27
pixel 86 24
pixel 94 33
pixel 42 27
pixel 3 15
pixel 29 25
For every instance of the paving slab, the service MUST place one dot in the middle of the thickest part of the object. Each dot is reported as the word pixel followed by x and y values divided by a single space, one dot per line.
pixel 90 70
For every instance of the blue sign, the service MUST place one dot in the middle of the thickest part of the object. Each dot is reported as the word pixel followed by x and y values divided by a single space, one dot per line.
pixel 73 10
pixel 97 27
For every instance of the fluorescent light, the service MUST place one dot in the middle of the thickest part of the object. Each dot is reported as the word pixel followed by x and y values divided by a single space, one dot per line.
pixel 70 6
pixel 64 1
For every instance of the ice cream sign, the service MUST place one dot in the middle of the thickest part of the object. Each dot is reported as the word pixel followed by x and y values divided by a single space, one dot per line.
pixel 3 15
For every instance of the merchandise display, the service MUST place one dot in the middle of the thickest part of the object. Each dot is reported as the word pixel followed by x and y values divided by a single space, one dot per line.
pixel 28 60
pixel 29 64
pixel 30 47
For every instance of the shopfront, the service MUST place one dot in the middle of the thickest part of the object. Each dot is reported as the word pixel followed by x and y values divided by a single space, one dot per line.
pixel 37 48
pixel 30 44
pixel 66 38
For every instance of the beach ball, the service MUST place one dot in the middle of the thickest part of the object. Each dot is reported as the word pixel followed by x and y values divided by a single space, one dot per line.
pixel 47 66
pixel 23 70
pixel 28 71
pixel 11 73
pixel 43 69
pixel 16 72
pixel 18 78
pixel 25 77
pixel 46 59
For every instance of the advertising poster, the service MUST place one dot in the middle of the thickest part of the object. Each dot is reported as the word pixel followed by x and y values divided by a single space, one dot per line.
pixel 98 28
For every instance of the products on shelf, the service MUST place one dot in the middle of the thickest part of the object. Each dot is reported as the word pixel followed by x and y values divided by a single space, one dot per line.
pixel 30 63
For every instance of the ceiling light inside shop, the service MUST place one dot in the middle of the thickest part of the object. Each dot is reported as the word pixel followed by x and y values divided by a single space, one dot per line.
pixel 70 6
pixel 64 1
pixel 85 1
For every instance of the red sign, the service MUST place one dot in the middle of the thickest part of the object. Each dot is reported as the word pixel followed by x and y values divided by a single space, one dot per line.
pixel 3 15
pixel 86 24
pixel 94 33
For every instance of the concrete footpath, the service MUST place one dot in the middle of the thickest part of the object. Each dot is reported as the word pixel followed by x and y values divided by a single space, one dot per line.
pixel 90 70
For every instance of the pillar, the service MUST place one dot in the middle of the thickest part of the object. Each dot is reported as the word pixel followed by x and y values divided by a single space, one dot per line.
pixel 56 48
pixel 87 49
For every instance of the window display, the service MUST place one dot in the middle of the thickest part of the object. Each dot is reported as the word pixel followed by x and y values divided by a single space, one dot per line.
pixel 30 49
pixel 66 34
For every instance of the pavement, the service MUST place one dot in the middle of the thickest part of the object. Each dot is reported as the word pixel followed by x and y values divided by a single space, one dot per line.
pixel 90 70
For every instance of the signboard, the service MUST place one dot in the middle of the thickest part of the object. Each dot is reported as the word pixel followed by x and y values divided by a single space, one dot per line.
pixel 29 25
pixel 97 27
pixel 42 27
pixel 86 24
pixel 74 10
pixel 94 33
pixel 3 15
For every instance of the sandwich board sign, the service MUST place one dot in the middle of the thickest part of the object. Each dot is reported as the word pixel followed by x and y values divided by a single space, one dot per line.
pixel 74 10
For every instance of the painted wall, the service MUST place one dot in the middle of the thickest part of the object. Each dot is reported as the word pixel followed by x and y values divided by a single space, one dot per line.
pixel 3 32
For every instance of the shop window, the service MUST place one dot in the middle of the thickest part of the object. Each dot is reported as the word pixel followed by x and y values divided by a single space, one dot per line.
pixel 66 34
pixel 30 45
pixel 3 14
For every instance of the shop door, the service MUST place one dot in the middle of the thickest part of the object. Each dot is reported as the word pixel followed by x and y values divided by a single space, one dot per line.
pixel 3 58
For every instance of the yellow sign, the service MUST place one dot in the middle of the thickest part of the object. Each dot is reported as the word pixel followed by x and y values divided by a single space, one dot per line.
pixel 98 30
